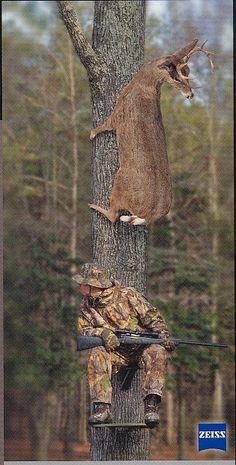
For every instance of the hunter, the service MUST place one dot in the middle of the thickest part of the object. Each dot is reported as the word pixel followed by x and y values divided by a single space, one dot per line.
pixel 106 306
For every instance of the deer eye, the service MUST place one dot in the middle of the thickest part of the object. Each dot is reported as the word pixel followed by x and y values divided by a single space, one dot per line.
pixel 171 68
pixel 173 73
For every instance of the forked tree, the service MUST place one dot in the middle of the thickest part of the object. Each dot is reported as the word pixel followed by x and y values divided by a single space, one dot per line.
pixel 134 185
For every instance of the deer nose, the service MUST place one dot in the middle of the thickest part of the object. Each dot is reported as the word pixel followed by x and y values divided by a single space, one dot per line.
pixel 191 95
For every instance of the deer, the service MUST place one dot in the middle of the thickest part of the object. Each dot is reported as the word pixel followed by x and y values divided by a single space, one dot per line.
pixel 142 184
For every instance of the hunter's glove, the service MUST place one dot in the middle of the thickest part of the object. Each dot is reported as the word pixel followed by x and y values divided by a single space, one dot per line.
pixel 110 340
pixel 167 343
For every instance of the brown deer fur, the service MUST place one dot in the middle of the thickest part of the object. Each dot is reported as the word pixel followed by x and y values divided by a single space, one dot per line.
pixel 142 184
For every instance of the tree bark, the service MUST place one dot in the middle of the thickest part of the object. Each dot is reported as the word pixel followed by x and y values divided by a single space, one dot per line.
pixel 117 52
pixel 121 249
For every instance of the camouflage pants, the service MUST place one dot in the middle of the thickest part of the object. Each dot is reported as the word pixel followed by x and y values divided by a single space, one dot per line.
pixel 101 364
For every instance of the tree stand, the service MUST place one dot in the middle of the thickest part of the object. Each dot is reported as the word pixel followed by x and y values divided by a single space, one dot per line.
pixel 128 437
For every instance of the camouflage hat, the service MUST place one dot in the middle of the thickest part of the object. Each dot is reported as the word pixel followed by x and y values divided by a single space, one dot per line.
pixel 93 275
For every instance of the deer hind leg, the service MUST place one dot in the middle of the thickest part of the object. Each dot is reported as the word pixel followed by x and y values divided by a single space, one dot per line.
pixel 132 219
pixel 112 214
pixel 107 126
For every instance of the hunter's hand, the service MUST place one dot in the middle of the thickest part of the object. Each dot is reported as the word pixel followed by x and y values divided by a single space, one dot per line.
pixel 110 340
pixel 168 344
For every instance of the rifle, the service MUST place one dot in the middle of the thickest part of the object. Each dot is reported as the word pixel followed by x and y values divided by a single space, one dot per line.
pixel 129 337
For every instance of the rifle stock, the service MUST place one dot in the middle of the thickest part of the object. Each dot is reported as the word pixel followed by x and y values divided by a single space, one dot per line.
pixel 88 342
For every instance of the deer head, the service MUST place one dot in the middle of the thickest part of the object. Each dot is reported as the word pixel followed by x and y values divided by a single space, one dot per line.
pixel 175 69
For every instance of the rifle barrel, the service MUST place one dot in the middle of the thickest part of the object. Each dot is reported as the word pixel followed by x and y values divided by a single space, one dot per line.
pixel 147 340
pixel 198 343
pixel 153 335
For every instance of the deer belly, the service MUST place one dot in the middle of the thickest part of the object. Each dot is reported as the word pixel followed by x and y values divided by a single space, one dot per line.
pixel 143 181
pixel 142 192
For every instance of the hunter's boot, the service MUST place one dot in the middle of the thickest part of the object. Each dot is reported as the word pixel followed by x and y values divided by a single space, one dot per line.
pixel 101 413
pixel 151 408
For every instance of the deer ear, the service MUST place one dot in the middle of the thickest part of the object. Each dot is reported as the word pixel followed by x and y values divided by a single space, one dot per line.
pixel 182 52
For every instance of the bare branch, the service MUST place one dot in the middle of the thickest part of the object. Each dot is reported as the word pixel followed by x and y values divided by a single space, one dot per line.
pixel 94 64
pixel 58 62
pixel 37 178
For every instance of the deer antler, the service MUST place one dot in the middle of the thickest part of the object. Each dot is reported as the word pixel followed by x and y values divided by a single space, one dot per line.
pixel 201 49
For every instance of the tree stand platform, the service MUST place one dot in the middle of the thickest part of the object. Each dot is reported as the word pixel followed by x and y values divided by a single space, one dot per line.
pixel 128 437
pixel 120 425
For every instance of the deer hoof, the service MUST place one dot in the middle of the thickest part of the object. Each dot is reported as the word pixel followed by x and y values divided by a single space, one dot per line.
pixel 91 205
pixel 132 219
pixel 138 221
pixel 126 218
pixel 92 134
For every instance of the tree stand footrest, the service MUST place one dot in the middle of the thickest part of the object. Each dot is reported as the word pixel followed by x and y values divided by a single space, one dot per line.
pixel 120 425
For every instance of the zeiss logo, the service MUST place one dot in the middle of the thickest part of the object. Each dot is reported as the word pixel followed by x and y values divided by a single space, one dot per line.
pixel 212 436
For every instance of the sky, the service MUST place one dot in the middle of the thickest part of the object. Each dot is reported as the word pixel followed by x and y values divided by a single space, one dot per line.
pixel 158 8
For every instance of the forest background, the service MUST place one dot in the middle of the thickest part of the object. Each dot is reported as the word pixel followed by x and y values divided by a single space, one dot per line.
pixel 47 188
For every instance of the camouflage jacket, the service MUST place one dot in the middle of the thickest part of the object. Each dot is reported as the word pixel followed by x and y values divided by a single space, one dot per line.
pixel 119 308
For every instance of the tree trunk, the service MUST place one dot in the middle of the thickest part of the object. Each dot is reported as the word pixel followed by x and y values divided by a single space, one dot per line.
pixel 68 437
pixel 180 417
pixel 118 35
pixel 123 443
pixel 169 418
pixel 83 417
pixel 40 423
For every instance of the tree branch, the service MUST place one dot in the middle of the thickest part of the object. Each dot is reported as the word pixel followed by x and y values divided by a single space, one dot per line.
pixel 94 65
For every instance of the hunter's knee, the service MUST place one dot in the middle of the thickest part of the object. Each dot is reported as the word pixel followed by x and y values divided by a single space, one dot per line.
pixel 154 352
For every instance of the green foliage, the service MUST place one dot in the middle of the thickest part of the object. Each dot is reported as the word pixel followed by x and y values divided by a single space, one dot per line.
pixel 40 306
pixel 38 317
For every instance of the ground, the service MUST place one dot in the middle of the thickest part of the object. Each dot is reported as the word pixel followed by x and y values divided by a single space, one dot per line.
pixel 18 449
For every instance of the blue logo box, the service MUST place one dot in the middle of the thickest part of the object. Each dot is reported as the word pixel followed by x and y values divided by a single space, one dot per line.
pixel 212 436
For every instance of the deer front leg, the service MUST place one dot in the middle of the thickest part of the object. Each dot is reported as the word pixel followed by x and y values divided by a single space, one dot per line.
pixel 107 126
